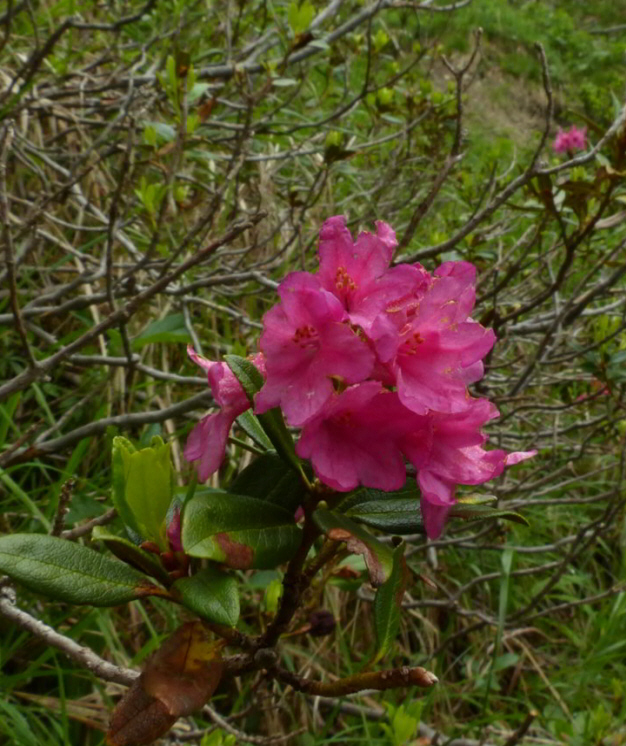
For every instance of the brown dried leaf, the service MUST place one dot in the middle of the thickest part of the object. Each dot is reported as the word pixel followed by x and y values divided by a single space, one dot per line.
pixel 138 719
pixel 185 671
pixel 357 546
pixel 179 678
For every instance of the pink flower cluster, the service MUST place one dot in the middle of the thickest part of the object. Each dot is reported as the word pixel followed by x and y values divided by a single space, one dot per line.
pixel 569 140
pixel 373 363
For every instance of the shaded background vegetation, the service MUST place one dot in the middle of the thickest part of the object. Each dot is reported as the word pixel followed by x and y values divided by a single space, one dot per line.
pixel 133 135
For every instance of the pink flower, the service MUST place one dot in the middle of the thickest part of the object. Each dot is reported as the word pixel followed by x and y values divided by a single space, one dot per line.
pixel 351 441
pixel 207 441
pixel 436 349
pixel 454 454
pixel 358 274
pixel 573 139
pixel 173 532
pixel 306 345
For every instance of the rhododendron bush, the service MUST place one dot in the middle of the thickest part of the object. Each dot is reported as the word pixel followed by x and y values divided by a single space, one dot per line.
pixel 361 425
pixel 372 364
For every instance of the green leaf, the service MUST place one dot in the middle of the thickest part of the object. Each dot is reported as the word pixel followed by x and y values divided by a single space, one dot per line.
pixel 133 555
pixel 169 329
pixel 250 424
pixel 476 499
pixel 481 512
pixel 70 572
pixel 397 512
pixel 196 91
pixel 240 531
pixel 211 594
pixel 300 16
pixel 272 422
pixel 400 516
pixel 165 132
pixel 273 593
pixel 388 604
pixel 400 512
pixel 284 82
pixel 269 478
pixel 143 487
pixel 378 557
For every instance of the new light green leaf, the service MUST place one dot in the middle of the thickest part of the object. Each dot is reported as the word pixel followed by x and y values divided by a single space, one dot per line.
pixel 211 594
pixel 143 487
pixel 70 572
pixel 300 16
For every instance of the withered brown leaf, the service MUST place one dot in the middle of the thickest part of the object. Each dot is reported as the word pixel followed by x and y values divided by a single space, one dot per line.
pixel 177 680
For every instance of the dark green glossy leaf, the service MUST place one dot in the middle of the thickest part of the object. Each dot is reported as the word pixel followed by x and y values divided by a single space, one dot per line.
pixel 400 512
pixel 399 516
pixel 272 422
pixel 211 594
pixel 70 572
pixel 388 604
pixel 269 478
pixel 378 557
pixel 397 512
pixel 133 555
pixel 250 424
pixel 239 531
pixel 364 495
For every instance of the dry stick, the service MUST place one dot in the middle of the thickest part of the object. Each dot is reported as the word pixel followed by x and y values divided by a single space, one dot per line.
pixel 99 426
pixel 82 655
pixel 530 172
pixel 240 735
pixel 235 665
pixel 85 528
pixel 522 730
pixel 124 314
pixel 424 206
pixel 458 77
pixel 33 63
pixel 63 507
pixel 9 256
pixel 571 246
pixel 371 713
pixel 393 678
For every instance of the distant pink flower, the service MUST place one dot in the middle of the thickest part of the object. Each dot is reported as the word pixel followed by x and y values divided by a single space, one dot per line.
pixel 454 454
pixel 357 272
pixel 306 344
pixel 573 139
pixel 437 349
pixel 207 441
pixel 351 441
